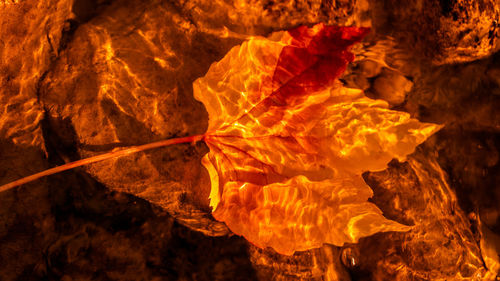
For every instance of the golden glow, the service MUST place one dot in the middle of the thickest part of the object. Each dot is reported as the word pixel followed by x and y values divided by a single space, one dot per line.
pixel 8 2
pixel 447 239
pixel 289 177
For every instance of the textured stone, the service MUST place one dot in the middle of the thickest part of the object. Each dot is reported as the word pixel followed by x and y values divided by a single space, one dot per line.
pixel 430 206
pixel 80 78
pixel 369 68
pixel 27 48
pixel 318 264
pixel 391 86
pixel 448 31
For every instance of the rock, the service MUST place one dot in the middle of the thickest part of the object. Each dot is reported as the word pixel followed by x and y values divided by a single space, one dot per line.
pixel 80 78
pixel 391 86
pixel 369 68
pixel 490 216
pixel 356 81
pixel 27 48
pixel 427 204
pixel 441 31
pixel 317 264
pixel 126 80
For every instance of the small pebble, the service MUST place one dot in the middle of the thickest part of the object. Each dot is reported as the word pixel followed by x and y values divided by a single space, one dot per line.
pixel 356 81
pixel 391 86
pixel 369 68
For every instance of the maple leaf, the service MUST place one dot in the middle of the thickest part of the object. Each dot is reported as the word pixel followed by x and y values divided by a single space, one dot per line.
pixel 288 143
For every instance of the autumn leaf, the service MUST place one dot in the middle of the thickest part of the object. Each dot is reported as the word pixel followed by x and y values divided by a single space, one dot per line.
pixel 288 143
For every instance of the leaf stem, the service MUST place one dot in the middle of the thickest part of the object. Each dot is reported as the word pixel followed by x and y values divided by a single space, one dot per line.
pixel 101 157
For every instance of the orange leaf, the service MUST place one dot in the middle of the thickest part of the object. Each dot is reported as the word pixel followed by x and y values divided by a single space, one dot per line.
pixel 288 144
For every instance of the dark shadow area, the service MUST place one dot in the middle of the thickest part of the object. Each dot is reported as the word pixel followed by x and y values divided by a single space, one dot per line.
pixel 69 225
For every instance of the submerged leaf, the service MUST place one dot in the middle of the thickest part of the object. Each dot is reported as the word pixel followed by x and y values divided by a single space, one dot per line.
pixel 288 144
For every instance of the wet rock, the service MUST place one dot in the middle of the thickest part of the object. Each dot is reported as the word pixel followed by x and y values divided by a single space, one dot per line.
pixel 317 264
pixel 27 49
pixel 391 86
pixel 107 74
pixel 490 216
pixel 490 247
pixel 369 68
pixel 441 31
pixel 421 199
pixel 356 81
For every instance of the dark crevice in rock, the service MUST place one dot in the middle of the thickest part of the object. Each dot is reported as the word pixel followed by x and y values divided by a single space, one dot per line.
pixel 67 34
pixel 85 10
pixel 446 6
pixel 51 45
pixel 60 140
pixel 39 84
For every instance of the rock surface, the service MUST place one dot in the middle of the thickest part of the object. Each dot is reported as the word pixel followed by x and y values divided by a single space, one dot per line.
pixel 79 78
